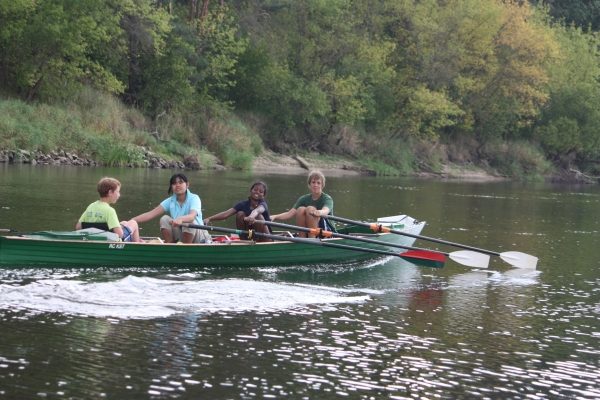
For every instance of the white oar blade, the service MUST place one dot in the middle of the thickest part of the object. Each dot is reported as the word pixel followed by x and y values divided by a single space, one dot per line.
pixel 470 258
pixel 519 260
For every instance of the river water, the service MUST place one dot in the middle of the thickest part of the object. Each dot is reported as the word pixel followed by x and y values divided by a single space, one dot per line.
pixel 380 329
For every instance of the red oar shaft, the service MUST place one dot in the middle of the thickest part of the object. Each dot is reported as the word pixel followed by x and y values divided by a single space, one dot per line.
pixel 380 228
pixel 422 253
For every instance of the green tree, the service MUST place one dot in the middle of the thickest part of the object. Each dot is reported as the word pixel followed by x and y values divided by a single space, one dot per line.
pixel 312 65
pixel 141 40
pixel 581 13
pixel 220 49
pixel 485 57
pixel 568 127
pixel 165 79
pixel 46 47
pixel 212 49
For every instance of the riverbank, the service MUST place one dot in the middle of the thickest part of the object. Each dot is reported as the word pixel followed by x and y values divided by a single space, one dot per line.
pixel 331 166
pixel 337 166
pixel 273 163
pixel 82 135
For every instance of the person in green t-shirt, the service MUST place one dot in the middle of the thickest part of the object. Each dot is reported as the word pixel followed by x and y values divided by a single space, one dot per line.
pixel 100 211
pixel 310 207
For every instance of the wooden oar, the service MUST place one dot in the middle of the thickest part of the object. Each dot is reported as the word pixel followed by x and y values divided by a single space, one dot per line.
pixel 515 258
pixel 468 258
pixel 315 242
pixel 13 231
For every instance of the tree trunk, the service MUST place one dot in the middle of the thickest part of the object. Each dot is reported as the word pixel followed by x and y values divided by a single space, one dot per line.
pixel 192 9
pixel 204 9
pixel 133 68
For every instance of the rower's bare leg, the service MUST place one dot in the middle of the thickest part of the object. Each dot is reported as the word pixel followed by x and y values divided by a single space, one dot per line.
pixel 311 222
pixel 166 229
pixel 301 220
pixel 264 229
pixel 241 224
pixel 167 235
pixel 187 237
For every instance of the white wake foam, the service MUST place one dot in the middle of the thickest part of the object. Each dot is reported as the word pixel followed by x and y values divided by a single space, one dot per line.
pixel 134 297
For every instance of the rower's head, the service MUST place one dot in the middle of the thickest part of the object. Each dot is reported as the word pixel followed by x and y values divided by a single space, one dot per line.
pixel 258 190
pixel 316 175
pixel 178 180
pixel 259 183
pixel 106 185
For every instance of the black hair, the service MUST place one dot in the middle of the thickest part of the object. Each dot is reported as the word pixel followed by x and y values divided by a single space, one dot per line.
pixel 259 183
pixel 174 179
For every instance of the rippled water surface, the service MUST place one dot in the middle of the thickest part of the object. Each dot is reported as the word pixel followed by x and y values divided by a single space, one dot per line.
pixel 377 329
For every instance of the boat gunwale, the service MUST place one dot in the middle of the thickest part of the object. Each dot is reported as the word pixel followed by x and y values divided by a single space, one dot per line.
pixel 235 242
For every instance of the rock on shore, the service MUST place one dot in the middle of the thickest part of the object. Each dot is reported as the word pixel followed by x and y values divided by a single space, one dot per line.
pixel 61 157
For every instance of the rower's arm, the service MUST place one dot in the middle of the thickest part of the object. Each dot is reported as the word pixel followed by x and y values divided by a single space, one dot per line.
pixel 191 217
pixel 145 217
pixel 257 211
pixel 220 216
pixel 323 211
pixel 285 216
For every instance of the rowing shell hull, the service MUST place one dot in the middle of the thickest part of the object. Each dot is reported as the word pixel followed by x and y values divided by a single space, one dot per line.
pixel 22 251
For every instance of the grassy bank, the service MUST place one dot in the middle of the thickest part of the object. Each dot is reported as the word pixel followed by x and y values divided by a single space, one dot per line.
pixel 111 133
pixel 102 128
pixel 92 125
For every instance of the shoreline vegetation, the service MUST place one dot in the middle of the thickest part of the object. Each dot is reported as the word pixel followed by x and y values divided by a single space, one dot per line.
pixel 469 89
pixel 73 134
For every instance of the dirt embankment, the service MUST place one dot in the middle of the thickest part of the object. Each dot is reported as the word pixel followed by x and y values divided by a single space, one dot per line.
pixel 279 164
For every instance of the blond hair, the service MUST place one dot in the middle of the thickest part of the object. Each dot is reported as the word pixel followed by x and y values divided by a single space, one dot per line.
pixel 316 174
pixel 107 184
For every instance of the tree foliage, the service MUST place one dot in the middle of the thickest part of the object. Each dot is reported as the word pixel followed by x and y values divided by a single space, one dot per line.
pixel 47 48
pixel 580 13
pixel 569 125
pixel 489 70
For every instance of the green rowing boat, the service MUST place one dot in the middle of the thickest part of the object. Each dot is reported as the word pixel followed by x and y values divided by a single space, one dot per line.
pixel 84 249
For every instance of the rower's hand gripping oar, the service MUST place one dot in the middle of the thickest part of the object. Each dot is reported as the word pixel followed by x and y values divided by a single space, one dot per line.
pixel 253 233
pixel 468 258
pixel 515 258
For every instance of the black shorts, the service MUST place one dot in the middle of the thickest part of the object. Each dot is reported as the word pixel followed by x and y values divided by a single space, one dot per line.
pixel 324 224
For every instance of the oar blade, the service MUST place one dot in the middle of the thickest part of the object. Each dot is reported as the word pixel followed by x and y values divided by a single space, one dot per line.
pixel 470 258
pixel 519 260
pixel 426 258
